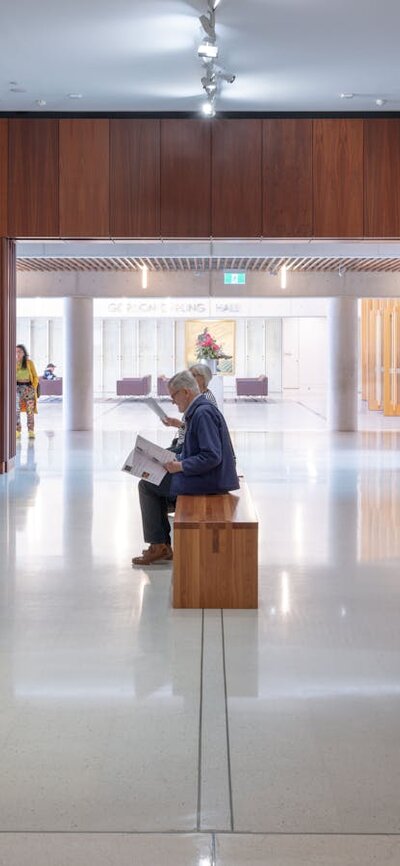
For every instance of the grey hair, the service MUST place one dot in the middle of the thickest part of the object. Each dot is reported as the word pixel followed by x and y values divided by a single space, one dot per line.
pixel 184 379
pixel 202 370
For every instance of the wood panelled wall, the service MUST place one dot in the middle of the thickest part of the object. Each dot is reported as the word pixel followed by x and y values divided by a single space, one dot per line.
pixel 380 355
pixel 338 183
pixel 236 178
pixel 327 177
pixel 287 175
pixel 33 204
pixel 135 178
pixel 185 163
pixel 3 177
pixel 84 178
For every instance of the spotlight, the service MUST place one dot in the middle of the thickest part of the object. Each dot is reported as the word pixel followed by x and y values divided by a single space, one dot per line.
pixel 208 54
pixel 209 83
pixel 208 24
pixel 208 109
pixel 207 50
pixel 226 76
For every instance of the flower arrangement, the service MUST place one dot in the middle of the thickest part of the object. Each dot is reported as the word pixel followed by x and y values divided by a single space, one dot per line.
pixel 206 347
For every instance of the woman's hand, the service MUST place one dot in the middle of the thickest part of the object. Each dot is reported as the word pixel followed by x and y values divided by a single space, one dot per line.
pixel 173 466
pixel 172 422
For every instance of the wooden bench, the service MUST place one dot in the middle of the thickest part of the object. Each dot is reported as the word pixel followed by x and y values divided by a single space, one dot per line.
pixel 216 551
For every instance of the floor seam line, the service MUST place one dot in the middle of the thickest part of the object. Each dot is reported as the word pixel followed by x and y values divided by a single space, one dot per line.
pixel 212 833
pixel 213 850
pixel 200 751
pixel 228 749
pixel 308 408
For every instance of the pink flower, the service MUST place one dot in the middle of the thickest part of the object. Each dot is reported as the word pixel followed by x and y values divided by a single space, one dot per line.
pixel 207 347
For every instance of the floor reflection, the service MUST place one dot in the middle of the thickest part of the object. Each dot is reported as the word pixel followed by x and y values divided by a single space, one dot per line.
pixel 24 482
pixel 100 680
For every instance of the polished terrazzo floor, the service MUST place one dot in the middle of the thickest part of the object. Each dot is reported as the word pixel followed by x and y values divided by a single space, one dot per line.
pixel 134 734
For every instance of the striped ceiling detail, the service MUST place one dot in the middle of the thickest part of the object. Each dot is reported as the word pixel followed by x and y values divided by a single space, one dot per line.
pixel 268 265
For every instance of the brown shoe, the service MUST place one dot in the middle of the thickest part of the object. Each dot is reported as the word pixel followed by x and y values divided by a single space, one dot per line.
pixel 154 553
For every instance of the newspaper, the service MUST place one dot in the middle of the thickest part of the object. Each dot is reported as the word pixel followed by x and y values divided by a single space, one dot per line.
pixel 152 403
pixel 146 460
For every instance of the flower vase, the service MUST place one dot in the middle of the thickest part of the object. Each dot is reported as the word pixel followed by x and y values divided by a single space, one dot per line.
pixel 212 363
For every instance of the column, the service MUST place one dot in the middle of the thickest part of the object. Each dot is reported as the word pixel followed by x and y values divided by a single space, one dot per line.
pixel 78 363
pixel 342 363
pixel 7 353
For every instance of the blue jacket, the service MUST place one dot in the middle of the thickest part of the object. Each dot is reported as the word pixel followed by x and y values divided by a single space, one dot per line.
pixel 208 460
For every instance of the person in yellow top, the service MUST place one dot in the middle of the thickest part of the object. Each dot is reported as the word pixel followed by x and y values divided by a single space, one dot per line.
pixel 27 384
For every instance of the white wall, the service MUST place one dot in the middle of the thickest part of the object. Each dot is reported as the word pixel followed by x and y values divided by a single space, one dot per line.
pixel 312 352
pixel 125 345
pixel 43 339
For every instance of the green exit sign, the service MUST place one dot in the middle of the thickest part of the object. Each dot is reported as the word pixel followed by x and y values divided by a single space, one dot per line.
pixel 234 278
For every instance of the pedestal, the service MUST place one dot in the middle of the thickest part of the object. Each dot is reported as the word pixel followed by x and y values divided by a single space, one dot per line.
pixel 217 387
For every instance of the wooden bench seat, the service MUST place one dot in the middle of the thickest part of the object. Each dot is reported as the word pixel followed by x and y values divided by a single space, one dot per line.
pixel 216 551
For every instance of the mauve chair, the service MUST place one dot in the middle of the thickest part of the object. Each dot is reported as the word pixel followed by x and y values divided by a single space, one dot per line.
pixel 162 386
pixel 252 387
pixel 138 387
pixel 51 387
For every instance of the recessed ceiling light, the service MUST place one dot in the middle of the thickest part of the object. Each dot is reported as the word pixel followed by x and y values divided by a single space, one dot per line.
pixel 75 95
pixel 380 101
pixel 40 102
pixel 346 95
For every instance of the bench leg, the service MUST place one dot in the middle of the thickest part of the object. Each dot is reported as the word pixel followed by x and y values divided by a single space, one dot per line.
pixel 216 567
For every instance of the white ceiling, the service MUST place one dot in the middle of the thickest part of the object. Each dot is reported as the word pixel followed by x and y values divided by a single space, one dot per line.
pixel 141 55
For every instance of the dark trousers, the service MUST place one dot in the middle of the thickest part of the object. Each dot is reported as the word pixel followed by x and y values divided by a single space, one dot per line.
pixel 154 501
